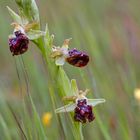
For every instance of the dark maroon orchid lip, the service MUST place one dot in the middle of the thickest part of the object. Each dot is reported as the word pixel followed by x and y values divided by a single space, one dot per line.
pixel 83 112
pixel 18 44
pixel 77 58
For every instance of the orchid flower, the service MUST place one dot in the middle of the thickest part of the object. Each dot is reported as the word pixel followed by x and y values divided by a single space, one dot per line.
pixel 73 56
pixel 23 32
pixel 81 105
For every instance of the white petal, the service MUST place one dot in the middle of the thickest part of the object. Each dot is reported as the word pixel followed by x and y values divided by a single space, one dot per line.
pixel 66 108
pixel 60 61
pixel 94 102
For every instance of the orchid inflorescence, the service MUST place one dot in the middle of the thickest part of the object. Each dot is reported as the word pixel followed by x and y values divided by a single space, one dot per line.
pixel 24 31
pixel 81 105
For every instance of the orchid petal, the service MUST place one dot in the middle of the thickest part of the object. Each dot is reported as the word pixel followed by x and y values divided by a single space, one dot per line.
pixel 60 61
pixel 94 102
pixel 65 51
pixel 66 108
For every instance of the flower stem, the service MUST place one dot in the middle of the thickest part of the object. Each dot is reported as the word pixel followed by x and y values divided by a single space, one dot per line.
pixel 60 82
pixel 81 133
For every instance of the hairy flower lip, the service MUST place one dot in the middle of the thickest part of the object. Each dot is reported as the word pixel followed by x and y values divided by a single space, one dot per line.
pixel 83 112
pixel 77 58
pixel 18 43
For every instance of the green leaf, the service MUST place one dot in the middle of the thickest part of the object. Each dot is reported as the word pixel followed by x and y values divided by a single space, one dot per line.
pixel 5 128
pixel 39 126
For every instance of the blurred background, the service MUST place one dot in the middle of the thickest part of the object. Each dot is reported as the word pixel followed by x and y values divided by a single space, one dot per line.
pixel 109 31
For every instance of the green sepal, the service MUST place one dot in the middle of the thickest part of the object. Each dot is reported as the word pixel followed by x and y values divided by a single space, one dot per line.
pixel 94 102
pixel 15 16
pixel 35 34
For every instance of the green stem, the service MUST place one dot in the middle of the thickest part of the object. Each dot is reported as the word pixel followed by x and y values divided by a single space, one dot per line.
pixel 81 133
pixel 59 78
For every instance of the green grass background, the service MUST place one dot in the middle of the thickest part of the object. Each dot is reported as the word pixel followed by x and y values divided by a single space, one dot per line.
pixel 109 31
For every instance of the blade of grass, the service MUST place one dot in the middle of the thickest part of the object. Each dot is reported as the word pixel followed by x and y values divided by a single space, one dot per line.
pixel 5 128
